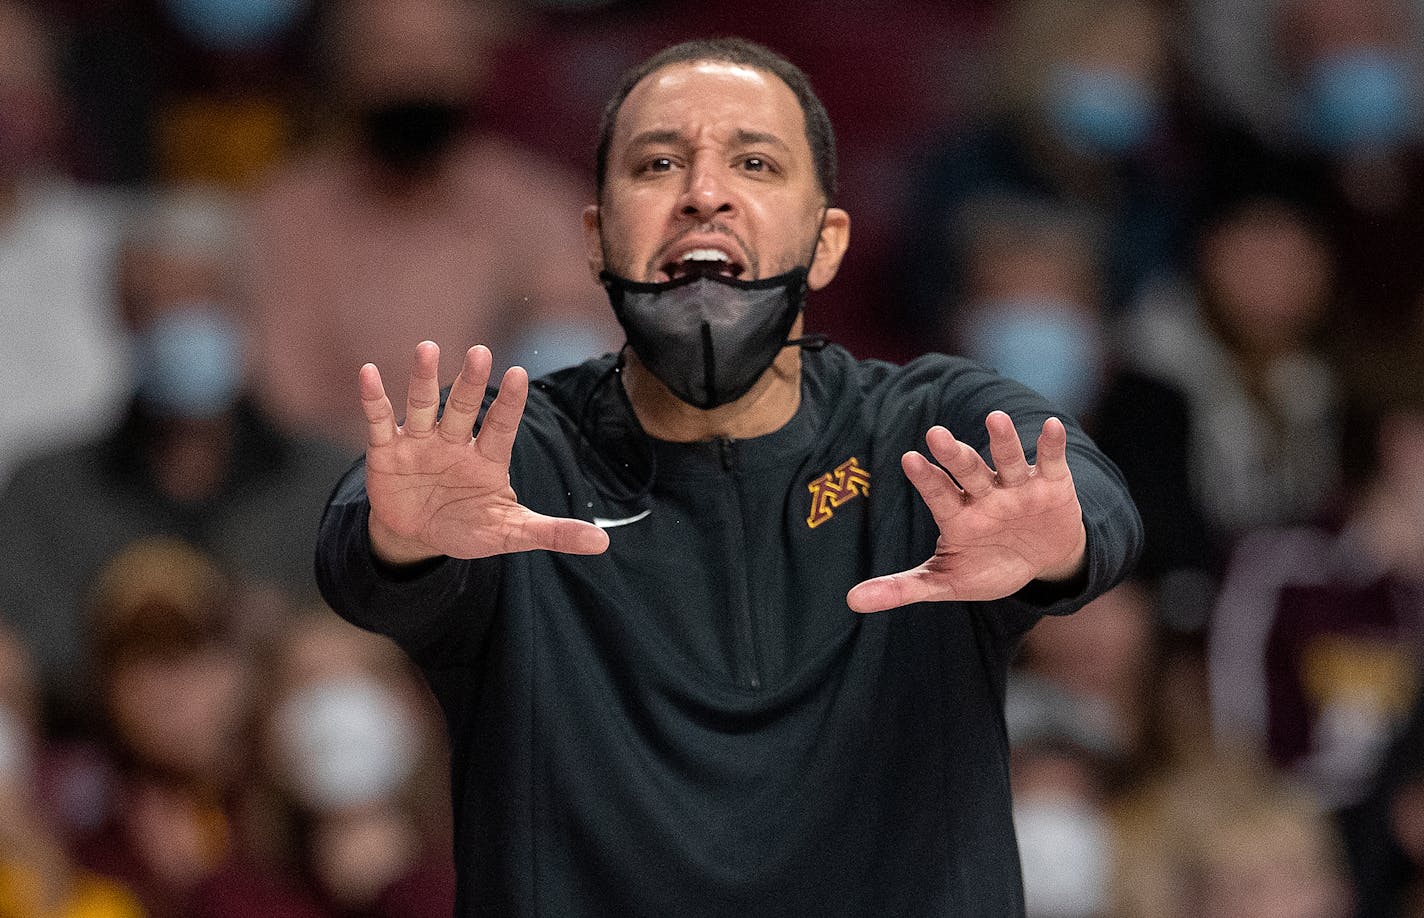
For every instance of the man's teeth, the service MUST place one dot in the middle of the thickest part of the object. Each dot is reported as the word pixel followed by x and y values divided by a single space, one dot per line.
pixel 705 255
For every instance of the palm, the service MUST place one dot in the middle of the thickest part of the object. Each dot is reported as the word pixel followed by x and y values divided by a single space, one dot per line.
pixel 998 530
pixel 435 489
pixel 1009 539
pixel 444 494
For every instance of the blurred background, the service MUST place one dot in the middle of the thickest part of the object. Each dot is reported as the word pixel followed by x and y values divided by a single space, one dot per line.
pixel 1197 225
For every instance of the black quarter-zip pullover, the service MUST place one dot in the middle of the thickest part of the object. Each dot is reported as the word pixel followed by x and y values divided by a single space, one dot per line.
pixel 694 723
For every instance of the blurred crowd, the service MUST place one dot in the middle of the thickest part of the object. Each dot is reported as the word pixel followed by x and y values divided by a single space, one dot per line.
pixel 1196 225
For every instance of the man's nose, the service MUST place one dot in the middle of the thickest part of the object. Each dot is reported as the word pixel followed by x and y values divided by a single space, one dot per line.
pixel 707 193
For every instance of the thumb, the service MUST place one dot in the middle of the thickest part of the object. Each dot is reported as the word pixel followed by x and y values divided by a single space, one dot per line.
pixel 560 534
pixel 892 591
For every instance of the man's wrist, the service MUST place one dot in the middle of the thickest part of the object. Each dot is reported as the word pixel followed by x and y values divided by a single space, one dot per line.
pixel 1072 567
pixel 394 550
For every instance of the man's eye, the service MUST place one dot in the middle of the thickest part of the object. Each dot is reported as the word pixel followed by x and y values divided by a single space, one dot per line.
pixel 755 164
pixel 658 164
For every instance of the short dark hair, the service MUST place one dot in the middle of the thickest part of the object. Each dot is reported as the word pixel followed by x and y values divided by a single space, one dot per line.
pixel 741 52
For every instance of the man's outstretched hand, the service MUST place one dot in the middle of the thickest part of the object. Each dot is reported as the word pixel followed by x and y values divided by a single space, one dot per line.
pixel 436 489
pixel 997 530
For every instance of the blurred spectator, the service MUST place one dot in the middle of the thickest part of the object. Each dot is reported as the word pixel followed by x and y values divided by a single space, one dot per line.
pixel 353 784
pixel 174 689
pixel 170 688
pixel 1222 839
pixel 1033 310
pixel 409 222
pixel 1286 68
pixel 1083 717
pixel 37 876
pixel 1033 298
pixel 1315 640
pixel 1262 402
pixel 1063 753
pixel 1103 655
pixel 1081 119
pixel 60 347
pixel 1339 82
pixel 229 113
pixel 184 91
pixel 193 456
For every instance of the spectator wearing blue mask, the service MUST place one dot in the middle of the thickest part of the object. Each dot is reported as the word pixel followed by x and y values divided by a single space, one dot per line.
pixel 1336 84
pixel 1339 76
pixel 192 457
pixel 1081 116
pixel 1033 309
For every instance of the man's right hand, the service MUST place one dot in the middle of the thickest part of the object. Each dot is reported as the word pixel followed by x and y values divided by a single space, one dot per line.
pixel 436 489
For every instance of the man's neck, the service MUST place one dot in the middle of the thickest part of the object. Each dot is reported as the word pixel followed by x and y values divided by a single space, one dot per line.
pixel 764 409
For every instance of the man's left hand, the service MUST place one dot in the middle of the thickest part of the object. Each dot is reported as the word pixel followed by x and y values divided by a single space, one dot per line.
pixel 998 530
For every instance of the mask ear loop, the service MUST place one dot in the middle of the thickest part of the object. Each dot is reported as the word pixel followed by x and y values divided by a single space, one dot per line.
pixel 643 492
pixel 814 341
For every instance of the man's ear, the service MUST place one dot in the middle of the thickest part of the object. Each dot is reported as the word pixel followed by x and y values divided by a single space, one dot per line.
pixel 593 239
pixel 830 247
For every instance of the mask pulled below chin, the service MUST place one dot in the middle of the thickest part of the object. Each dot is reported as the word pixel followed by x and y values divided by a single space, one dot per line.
pixel 706 336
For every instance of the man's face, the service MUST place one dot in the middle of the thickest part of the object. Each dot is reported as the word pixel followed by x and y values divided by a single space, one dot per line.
pixel 709 162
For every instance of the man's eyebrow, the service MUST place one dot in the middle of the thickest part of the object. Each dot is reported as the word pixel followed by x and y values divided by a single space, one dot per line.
pixel 744 137
pixel 760 138
pixel 656 136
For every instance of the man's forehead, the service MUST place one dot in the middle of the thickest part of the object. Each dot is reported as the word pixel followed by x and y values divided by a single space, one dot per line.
pixel 683 72
pixel 758 99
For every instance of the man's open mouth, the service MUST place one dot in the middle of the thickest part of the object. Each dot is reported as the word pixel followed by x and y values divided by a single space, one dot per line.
pixel 703 261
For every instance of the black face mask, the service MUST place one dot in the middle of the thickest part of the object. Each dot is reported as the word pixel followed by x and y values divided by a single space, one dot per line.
pixel 706 336
pixel 409 135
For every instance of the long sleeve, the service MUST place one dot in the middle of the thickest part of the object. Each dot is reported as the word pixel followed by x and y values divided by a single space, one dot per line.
pixel 1114 527
pixel 437 611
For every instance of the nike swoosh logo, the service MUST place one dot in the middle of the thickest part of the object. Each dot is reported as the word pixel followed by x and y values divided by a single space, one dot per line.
pixel 602 523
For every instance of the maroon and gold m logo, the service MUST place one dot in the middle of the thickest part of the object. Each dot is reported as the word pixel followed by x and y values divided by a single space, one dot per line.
pixel 835 488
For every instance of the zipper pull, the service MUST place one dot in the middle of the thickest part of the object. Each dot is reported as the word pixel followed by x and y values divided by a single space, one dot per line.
pixel 727 447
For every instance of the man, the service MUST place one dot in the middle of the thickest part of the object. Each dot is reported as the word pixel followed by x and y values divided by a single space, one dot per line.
pixel 668 707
